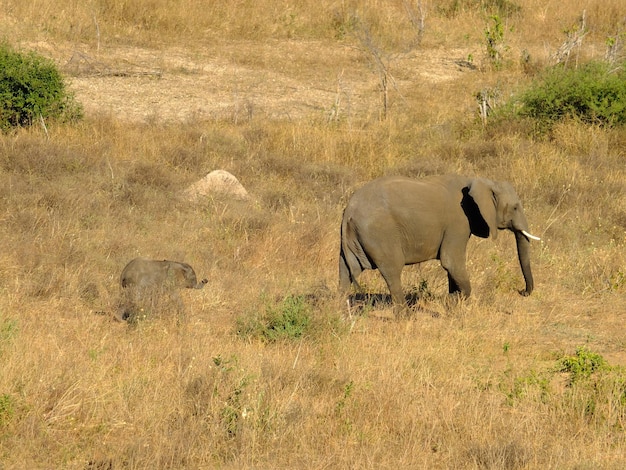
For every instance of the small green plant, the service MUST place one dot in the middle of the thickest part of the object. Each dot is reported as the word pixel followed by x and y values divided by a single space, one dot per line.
pixel 225 364
pixel 494 37
pixel 288 319
pixel 32 88
pixel 7 409
pixel 8 331
pixel 344 23
pixel 340 407
pixel 533 385
pixel 614 46
pixel 94 354
pixel 617 280
pixel 233 411
pixel 582 364
pixel 347 391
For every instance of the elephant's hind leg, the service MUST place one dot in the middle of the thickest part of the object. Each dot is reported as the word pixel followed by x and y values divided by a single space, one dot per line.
pixel 392 273
pixel 388 257
pixel 344 275
pixel 349 271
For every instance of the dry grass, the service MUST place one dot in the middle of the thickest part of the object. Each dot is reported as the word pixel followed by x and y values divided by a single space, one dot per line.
pixel 474 387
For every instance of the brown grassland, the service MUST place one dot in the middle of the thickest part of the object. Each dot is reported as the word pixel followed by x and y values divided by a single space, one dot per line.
pixel 288 97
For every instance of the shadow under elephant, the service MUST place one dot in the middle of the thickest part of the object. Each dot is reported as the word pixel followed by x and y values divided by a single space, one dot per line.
pixel 361 303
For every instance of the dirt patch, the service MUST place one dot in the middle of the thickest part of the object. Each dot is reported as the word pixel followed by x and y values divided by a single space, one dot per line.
pixel 288 80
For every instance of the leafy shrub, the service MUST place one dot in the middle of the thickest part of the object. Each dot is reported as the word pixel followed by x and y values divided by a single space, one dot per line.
pixel 31 87
pixel 593 93
pixel 289 319
pixel 494 37
pixel 582 364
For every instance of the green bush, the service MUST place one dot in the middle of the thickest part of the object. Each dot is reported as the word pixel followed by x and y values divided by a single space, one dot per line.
pixel 582 365
pixel 31 87
pixel 593 93
pixel 288 319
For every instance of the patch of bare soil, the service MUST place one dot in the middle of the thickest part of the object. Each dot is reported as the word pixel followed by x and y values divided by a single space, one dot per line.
pixel 282 80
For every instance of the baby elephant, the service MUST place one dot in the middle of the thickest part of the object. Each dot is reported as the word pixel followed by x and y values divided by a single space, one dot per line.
pixel 146 284
pixel 144 273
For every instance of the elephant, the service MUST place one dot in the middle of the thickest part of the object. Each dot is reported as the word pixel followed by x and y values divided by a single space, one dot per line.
pixel 395 221
pixel 145 281
pixel 142 273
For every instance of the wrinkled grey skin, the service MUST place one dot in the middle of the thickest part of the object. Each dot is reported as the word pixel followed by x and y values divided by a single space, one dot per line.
pixel 145 280
pixel 396 221
pixel 143 273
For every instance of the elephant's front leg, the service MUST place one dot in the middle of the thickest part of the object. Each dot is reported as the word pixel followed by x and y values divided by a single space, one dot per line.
pixel 453 261
pixel 453 287
pixel 458 281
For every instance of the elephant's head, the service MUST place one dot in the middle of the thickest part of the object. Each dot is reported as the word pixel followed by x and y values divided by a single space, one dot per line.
pixel 191 281
pixel 500 208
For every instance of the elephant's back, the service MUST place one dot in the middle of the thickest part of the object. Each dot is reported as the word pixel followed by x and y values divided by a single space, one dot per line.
pixel 379 190
pixel 401 191
pixel 385 182
pixel 143 272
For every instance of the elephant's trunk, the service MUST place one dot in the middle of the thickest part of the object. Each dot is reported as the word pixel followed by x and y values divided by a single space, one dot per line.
pixel 523 253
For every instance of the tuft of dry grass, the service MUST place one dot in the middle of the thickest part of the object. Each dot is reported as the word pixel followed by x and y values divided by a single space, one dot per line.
pixel 474 384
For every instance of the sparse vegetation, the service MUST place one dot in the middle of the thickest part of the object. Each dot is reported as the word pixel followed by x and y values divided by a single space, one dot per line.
pixel 267 367
pixel 594 390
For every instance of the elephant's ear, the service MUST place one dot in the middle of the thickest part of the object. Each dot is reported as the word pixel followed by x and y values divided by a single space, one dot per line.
pixel 482 192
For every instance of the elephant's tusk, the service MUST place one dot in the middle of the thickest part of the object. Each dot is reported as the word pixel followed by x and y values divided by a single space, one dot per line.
pixel 528 235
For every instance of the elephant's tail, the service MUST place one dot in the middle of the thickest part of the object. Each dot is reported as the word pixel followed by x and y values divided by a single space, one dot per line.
pixel 352 257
